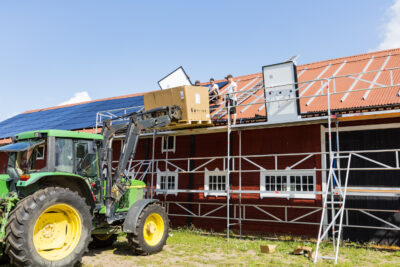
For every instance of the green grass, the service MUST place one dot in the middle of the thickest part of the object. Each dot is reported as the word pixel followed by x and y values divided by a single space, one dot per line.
pixel 190 247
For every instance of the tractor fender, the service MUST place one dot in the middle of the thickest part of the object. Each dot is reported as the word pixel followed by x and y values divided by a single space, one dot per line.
pixel 75 183
pixel 133 214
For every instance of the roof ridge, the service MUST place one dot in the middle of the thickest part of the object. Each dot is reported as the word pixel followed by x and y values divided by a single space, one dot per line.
pixel 299 67
pixel 85 102
pixel 353 56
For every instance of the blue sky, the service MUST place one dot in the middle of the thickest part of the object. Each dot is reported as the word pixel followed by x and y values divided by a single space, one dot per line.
pixel 52 50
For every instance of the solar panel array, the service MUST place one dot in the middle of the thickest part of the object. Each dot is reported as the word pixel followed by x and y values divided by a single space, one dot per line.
pixel 65 118
pixel 81 116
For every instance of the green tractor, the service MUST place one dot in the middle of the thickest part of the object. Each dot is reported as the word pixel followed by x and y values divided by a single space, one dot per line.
pixel 62 193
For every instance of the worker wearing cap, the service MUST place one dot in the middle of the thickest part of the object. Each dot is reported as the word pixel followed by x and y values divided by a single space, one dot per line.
pixel 231 99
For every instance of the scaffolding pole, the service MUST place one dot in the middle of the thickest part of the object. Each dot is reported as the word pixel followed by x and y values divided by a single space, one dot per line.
pixel 228 176
pixel 240 183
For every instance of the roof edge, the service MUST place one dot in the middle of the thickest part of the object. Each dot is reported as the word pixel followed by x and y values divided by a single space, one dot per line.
pixel 85 102
pixel 349 57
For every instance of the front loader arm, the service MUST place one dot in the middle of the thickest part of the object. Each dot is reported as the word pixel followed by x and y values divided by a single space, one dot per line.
pixel 152 119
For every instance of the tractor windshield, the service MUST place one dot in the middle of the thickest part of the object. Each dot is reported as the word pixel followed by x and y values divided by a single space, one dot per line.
pixel 64 155
pixel 86 158
pixel 77 156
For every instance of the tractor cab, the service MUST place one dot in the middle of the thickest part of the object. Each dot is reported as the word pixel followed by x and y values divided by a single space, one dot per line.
pixel 53 151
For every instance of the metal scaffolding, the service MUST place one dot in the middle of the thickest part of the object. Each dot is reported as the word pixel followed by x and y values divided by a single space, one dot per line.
pixel 334 215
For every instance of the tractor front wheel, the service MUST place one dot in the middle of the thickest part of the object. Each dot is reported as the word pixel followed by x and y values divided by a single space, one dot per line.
pixel 151 231
pixel 51 227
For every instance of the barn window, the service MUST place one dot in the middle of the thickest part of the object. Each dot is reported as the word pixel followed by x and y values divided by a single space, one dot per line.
pixel 168 144
pixel 167 182
pixel 288 183
pixel 215 182
pixel 40 153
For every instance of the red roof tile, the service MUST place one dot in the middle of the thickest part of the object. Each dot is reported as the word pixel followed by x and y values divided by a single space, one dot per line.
pixel 311 90
pixel 342 100
pixel 248 84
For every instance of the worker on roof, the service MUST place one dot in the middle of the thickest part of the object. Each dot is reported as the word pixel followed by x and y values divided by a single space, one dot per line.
pixel 197 83
pixel 230 99
pixel 213 91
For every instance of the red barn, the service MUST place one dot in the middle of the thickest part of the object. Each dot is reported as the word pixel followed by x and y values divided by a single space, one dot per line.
pixel 273 175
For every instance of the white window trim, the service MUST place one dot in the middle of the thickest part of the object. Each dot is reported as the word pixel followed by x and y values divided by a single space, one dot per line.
pixel 287 194
pixel 169 150
pixel 43 156
pixel 167 191
pixel 207 175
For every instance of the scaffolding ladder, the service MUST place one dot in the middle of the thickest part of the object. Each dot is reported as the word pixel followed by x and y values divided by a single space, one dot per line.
pixel 334 201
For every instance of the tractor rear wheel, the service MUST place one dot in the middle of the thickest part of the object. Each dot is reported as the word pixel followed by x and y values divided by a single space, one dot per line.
pixel 51 227
pixel 103 240
pixel 151 231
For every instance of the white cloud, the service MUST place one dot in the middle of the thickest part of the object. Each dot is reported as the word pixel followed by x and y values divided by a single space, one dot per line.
pixel 77 98
pixel 391 29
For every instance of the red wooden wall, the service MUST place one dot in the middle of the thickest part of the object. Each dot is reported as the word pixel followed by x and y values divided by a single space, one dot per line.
pixel 296 139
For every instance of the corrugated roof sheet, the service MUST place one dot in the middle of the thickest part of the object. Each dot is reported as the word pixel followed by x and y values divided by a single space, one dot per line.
pixel 83 115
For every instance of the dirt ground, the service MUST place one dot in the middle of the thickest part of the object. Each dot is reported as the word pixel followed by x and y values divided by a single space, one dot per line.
pixel 122 256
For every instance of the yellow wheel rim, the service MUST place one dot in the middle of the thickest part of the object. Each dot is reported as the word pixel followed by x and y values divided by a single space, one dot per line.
pixel 153 229
pixel 57 232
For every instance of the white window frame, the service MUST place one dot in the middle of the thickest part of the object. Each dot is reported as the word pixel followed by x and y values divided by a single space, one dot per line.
pixel 166 149
pixel 207 175
pixel 287 193
pixel 43 155
pixel 166 174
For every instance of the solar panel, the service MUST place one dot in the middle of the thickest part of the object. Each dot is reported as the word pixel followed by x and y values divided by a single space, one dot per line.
pixel 176 78
pixel 65 118
pixel 220 84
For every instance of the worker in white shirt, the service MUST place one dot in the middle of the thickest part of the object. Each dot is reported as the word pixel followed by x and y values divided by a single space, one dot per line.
pixel 213 91
pixel 231 98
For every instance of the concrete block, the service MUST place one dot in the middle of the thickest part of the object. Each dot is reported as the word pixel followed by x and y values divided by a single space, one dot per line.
pixel 267 248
